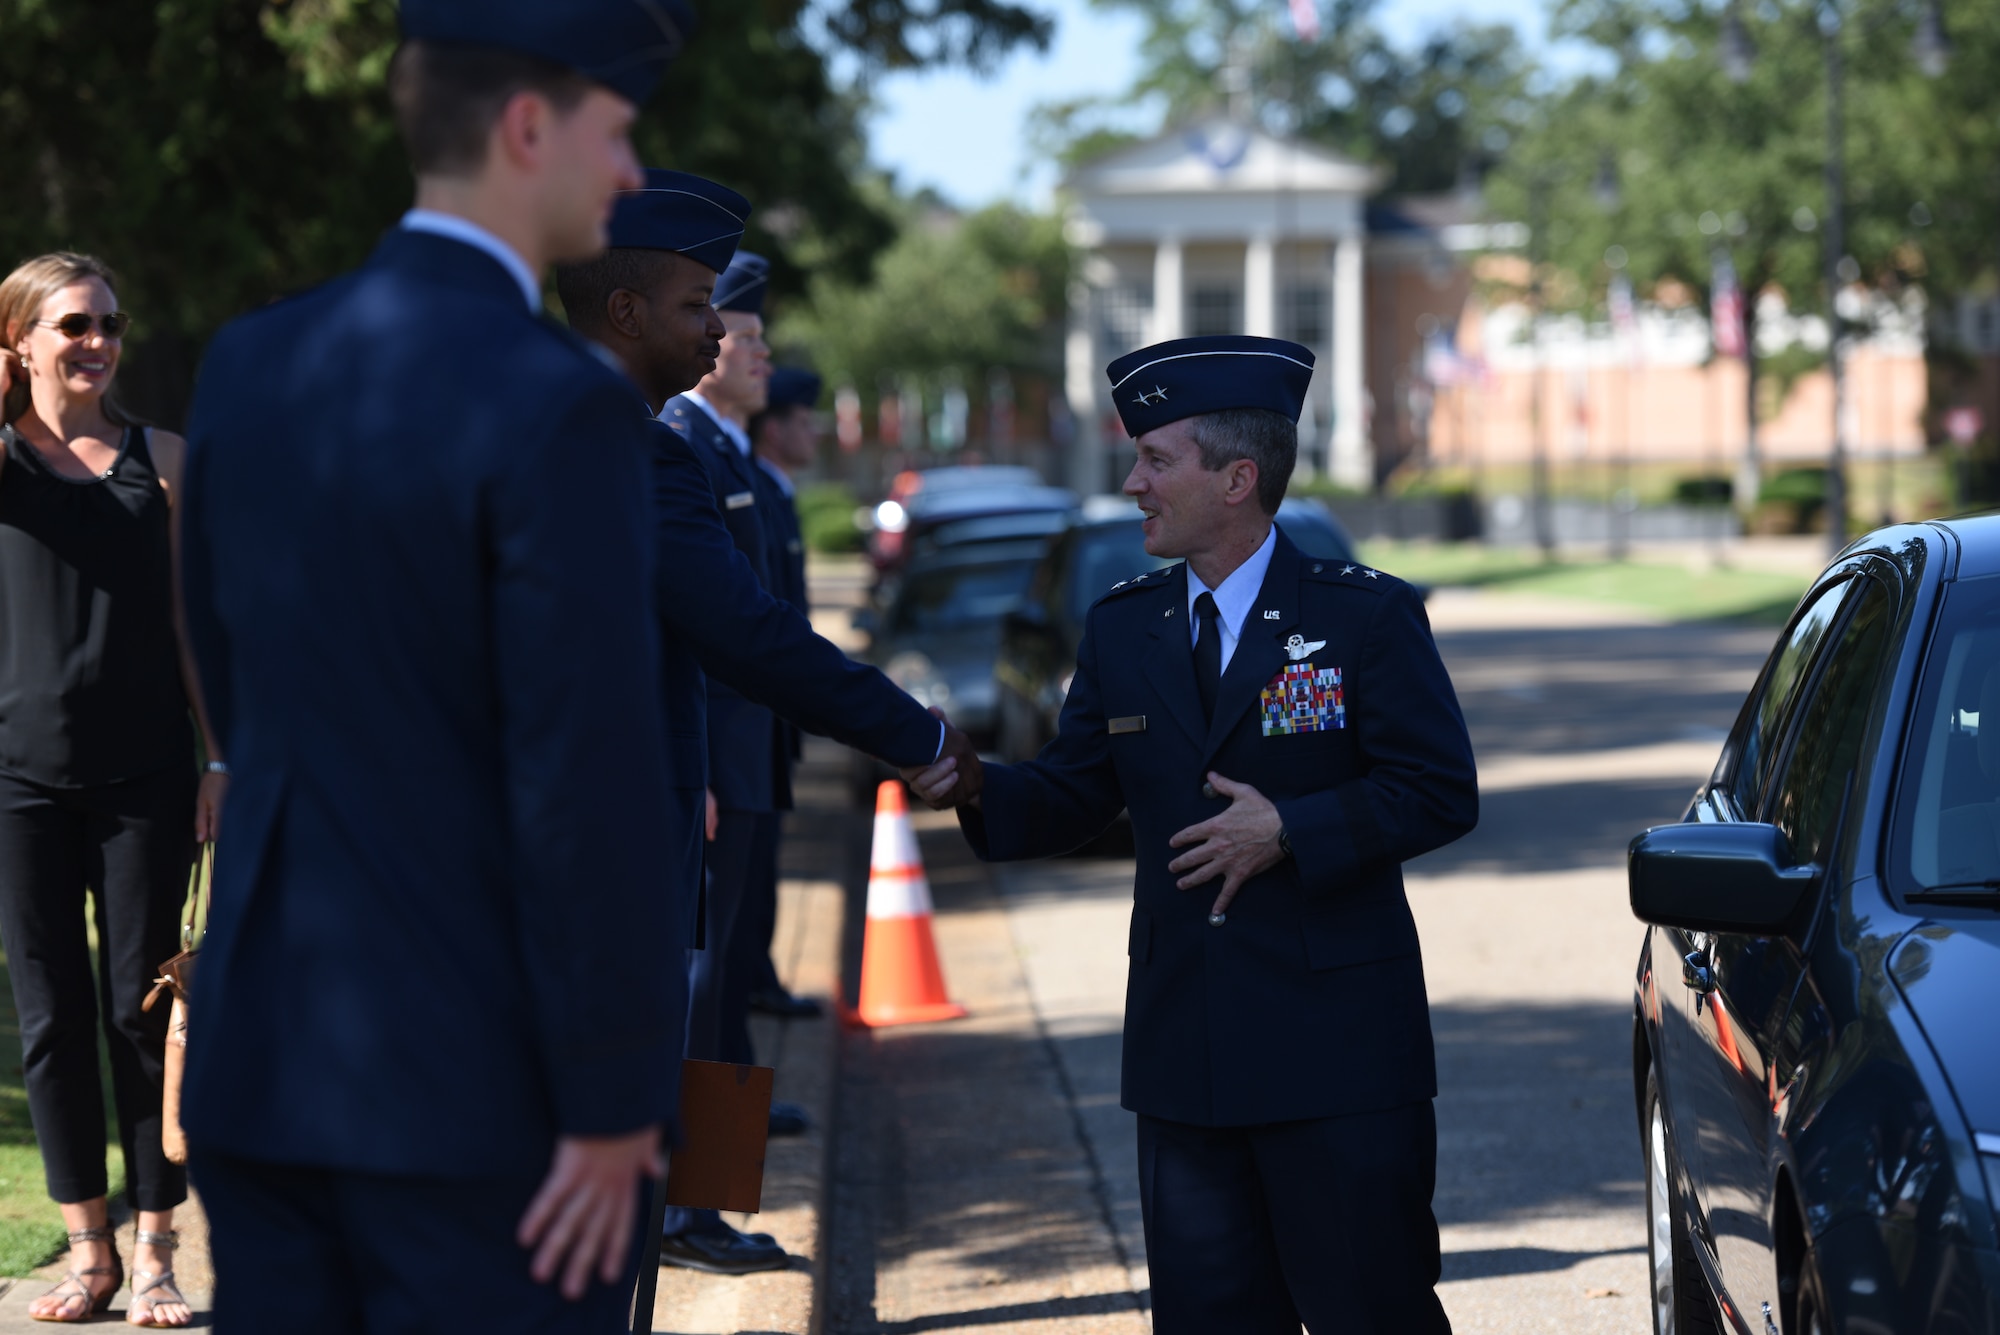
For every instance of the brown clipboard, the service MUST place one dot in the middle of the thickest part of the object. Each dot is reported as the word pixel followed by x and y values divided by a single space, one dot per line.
pixel 725 1122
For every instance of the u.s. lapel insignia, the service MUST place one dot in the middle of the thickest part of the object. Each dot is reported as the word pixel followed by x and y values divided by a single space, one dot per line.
pixel 1302 698
pixel 1298 648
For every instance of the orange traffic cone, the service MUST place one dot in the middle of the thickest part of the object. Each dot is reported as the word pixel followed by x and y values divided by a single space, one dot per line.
pixel 901 982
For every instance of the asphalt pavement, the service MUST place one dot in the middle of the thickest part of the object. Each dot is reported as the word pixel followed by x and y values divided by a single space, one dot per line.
pixel 984 1174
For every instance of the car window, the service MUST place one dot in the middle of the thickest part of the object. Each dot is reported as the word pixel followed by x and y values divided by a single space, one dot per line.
pixel 1761 728
pixel 1106 557
pixel 1948 817
pixel 1805 802
pixel 1314 536
pixel 959 597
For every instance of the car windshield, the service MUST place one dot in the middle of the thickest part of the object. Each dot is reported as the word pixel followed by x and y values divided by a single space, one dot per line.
pixel 1948 818
pixel 960 597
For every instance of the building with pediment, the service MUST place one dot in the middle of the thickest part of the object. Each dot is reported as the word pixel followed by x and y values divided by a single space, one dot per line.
pixel 1220 228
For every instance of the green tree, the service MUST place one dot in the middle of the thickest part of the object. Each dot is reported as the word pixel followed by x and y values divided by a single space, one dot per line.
pixel 953 300
pixel 1670 161
pixel 220 153
pixel 1435 113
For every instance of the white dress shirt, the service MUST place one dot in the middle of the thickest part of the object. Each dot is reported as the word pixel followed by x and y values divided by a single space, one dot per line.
pixel 737 435
pixel 1235 598
pixel 472 234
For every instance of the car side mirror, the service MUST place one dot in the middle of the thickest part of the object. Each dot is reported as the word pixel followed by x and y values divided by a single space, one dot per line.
pixel 1732 877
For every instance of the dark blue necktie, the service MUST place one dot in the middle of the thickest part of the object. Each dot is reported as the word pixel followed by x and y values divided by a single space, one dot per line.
pixel 1207 652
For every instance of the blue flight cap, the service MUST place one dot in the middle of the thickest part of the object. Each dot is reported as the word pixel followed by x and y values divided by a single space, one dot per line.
pixel 741 287
pixel 626 45
pixel 675 211
pixel 792 387
pixel 1190 376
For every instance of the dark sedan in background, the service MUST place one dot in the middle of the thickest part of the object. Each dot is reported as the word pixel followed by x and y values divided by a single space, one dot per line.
pixel 1816 1037
pixel 1106 547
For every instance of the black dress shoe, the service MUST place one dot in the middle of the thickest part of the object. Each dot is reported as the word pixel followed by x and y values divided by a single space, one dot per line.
pixel 723 1251
pixel 778 1002
pixel 789 1119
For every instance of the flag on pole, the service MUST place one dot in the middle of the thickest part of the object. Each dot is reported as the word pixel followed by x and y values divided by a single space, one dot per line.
pixel 1725 307
pixel 1305 19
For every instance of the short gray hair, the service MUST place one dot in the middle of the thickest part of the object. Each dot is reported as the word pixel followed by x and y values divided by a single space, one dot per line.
pixel 1267 439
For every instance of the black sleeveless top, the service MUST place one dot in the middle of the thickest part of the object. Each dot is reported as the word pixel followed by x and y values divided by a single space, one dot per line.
pixel 90 682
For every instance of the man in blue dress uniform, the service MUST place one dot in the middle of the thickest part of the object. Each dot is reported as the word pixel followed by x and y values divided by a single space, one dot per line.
pixel 785 439
pixel 747 743
pixel 646 300
pixel 437 1053
pixel 1285 737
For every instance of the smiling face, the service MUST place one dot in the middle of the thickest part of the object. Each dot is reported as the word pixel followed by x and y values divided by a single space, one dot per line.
pixel 1188 510
pixel 683 333
pixel 81 368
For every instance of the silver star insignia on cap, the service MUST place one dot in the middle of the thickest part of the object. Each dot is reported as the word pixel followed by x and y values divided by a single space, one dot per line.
pixel 1156 395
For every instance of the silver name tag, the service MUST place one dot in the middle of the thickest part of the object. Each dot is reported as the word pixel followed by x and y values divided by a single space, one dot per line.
pixel 740 500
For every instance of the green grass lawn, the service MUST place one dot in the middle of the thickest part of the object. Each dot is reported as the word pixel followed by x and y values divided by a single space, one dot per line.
pixel 31 1227
pixel 1671 591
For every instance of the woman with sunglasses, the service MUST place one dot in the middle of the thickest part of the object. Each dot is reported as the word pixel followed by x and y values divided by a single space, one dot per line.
pixel 98 781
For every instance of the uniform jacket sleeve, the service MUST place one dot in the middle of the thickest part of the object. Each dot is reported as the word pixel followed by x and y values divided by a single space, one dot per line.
pixel 1419 790
pixel 1064 797
pixel 757 645
pixel 574 656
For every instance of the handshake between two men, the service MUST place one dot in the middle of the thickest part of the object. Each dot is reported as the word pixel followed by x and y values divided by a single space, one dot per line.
pixel 1244 839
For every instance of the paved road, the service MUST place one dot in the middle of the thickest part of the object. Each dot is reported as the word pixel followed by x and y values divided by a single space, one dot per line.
pixel 986 1178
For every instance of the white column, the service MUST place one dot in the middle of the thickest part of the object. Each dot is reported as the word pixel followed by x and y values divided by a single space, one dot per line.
pixel 1352 461
pixel 1260 288
pixel 1083 378
pixel 1169 290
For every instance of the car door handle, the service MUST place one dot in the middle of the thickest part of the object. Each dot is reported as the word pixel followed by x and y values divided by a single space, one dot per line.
pixel 1696 973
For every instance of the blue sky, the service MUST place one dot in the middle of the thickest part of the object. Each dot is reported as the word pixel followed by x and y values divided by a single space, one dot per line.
pixel 965 135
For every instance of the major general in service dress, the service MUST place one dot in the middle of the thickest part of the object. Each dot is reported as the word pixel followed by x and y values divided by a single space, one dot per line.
pixel 1278 1053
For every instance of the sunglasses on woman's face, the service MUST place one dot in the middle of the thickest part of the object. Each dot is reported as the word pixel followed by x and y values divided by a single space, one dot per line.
pixel 114 325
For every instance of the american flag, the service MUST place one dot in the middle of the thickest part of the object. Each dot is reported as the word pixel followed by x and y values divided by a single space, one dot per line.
pixel 1725 306
pixel 1305 19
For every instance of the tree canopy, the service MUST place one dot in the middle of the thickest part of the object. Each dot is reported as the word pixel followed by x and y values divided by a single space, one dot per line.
pixel 219 153
pixel 1434 113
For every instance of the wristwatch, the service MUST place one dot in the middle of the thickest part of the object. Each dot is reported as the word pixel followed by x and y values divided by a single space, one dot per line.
pixel 218 767
pixel 1284 842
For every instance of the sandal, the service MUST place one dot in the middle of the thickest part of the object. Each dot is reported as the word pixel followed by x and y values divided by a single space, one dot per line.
pixel 76 1284
pixel 150 1290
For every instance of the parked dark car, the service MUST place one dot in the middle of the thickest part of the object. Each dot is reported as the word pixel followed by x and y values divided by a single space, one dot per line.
pixel 1816 1036
pixel 902 527
pixel 938 635
pixel 1039 643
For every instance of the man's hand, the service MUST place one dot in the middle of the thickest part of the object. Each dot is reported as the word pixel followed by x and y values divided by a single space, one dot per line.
pixel 955 778
pixel 1235 845
pixel 713 817
pixel 580 1222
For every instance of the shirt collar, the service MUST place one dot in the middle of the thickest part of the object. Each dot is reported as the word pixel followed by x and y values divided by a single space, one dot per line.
pixel 472 234
pixel 1236 593
pixel 737 435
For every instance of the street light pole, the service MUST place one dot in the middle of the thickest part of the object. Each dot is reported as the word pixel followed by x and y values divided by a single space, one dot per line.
pixel 1836 252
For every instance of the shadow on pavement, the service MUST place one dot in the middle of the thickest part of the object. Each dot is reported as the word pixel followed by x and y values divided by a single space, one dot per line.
pixel 1049 1310
pixel 1535 1111
pixel 1559 826
pixel 1496 1261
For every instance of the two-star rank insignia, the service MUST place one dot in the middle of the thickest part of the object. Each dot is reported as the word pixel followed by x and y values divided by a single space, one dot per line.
pixel 1147 398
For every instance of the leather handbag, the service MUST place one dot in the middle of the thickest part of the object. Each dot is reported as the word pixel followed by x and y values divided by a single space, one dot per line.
pixel 177 977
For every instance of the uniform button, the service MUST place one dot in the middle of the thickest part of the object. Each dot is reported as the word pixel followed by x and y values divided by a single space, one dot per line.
pixel 1316 570
pixel 1208 790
